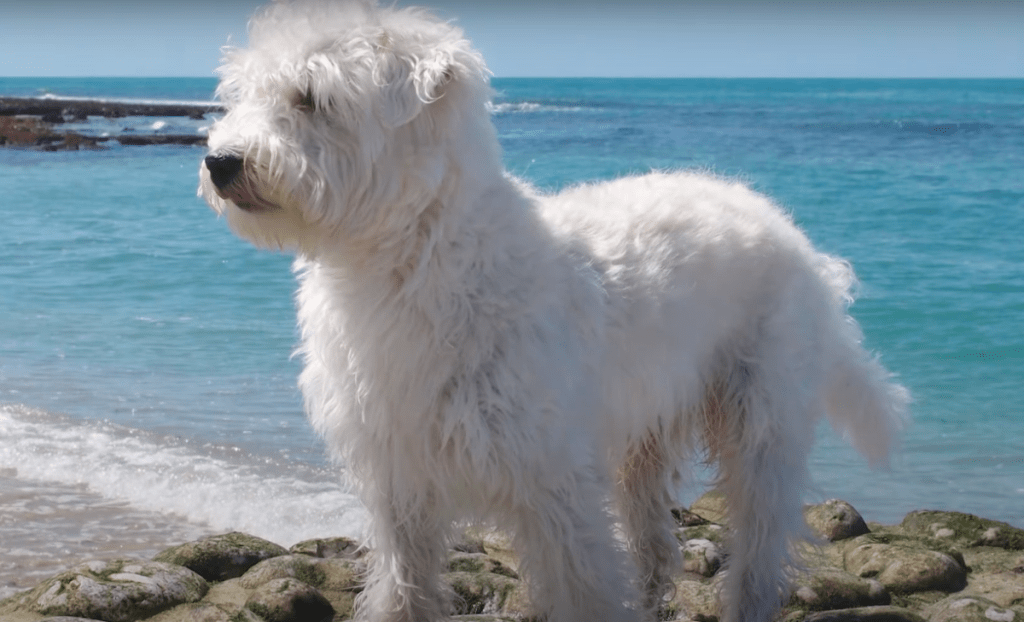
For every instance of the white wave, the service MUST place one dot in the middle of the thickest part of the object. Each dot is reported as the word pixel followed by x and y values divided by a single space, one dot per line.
pixel 284 504
pixel 131 100
pixel 513 107
pixel 158 125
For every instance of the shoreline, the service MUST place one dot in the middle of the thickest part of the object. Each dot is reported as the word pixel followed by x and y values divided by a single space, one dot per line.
pixel 938 566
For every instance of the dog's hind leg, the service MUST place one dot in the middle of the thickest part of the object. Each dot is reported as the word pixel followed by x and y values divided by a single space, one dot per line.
pixel 567 551
pixel 762 449
pixel 645 505
pixel 406 562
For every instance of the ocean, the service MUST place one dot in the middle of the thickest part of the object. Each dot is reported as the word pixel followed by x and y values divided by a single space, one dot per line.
pixel 147 394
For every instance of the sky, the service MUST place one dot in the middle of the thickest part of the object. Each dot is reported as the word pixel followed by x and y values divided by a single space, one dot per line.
pixel 540 38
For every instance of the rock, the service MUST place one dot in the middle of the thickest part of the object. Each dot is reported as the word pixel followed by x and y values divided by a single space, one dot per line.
pixel 478 562
pixel 711 507
pixel 207 612
pixel 694 600
pixel 226 556
pixel 830 588
pixel 69 619
pixel 970 609
pixel 703 557
pixel 686 518
pixel 905 569
pixel 120 590
pixel 866 614
pixel 333 573
pixel 465 543
pixel 289 600
pixel 329 547
pixel 835 520
pixel 487 593
pixel 706 531
pixel 964 529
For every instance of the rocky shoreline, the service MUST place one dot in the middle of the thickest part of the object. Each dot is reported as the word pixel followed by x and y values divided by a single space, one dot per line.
pixel 34 122
pixel 935 566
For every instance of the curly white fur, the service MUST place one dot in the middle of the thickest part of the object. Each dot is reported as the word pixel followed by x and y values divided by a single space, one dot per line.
pixel 476 349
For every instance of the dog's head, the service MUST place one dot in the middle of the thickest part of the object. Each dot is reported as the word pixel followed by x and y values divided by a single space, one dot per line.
pixel 343 122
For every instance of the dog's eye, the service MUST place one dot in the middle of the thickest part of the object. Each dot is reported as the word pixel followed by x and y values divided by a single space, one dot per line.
pixel 306 102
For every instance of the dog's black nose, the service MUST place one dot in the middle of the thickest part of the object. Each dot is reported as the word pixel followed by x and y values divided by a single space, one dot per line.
pixel 223 169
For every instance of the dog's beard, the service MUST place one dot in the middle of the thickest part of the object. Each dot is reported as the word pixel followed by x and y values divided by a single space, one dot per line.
pixel 243 194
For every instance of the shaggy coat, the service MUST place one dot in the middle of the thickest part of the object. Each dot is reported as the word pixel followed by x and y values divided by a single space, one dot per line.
pixel 477 350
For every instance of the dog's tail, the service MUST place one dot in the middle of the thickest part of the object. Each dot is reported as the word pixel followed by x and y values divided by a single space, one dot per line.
pixel 863 401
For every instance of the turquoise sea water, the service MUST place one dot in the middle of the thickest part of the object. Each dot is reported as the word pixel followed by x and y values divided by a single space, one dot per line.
pixel 144 350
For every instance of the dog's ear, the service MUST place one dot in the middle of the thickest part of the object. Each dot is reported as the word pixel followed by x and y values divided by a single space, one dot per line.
pixel 409 82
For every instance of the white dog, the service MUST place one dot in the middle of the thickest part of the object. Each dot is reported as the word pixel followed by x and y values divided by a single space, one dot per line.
pixel 475 349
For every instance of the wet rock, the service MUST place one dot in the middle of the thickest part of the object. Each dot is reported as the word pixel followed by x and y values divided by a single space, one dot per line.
pixel 711 507
pixel 487 593
pixel 120 590
pixel 289 600
pixel 835 520
pixel 904 569
pixel 346 548
pixel 866 614
pixel 964 529
pixel 830 588
pixel 970 609
pixel 226 556
pixel 703 557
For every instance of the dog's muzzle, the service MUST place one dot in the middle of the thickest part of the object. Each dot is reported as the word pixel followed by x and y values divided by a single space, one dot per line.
pixel 227 172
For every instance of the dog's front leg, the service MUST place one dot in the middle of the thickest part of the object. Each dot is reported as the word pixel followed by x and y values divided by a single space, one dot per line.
pixel 408 556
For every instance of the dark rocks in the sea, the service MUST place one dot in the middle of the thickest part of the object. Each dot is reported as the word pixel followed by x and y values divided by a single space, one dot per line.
pixel 121 590
pixel 79 109
pixel 835 520
pixel 28 123
pixel 910 572
pixel 226 556
pixel 161 139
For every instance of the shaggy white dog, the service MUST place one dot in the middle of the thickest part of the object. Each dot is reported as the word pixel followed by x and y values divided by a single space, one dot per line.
pixel 475 349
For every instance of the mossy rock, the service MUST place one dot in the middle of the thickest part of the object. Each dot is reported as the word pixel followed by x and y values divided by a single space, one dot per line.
pixel 958 608
pixel 478 562
pixel 120 590
pixel 222 557
pixel 485 593
pixel 831 588
pixel 346 548
pixel 906 569
pixel 964 529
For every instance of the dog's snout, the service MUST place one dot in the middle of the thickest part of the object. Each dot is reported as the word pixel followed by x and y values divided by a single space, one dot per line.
pixel 223 168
